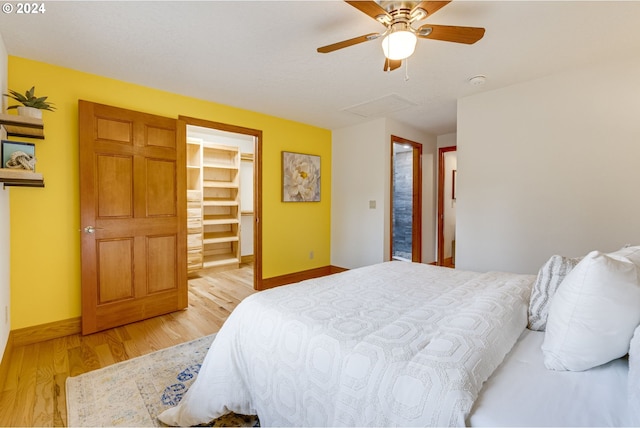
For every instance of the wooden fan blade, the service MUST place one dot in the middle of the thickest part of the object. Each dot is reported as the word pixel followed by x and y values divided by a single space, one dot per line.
pixel 347 43
pixel 432 7
pixel 392 64
pixel 369 7
pixel 450 33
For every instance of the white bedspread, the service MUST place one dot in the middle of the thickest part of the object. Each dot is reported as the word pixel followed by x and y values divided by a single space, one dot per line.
pixel 391 344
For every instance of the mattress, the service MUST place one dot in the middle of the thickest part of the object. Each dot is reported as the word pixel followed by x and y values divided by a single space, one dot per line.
pixel 522 392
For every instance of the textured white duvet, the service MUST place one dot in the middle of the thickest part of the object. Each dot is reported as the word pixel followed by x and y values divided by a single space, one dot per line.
pixel 391 344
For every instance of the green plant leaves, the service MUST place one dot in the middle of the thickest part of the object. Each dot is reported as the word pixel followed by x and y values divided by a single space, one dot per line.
pixel 30 100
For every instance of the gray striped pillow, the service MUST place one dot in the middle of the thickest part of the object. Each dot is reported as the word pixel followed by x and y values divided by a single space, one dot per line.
pixel 549 278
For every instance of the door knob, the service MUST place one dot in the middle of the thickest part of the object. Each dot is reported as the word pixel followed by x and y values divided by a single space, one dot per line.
pixel 89 229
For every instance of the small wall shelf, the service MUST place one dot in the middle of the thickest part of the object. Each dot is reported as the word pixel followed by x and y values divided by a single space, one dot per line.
pixel 20 178
pixel 21 126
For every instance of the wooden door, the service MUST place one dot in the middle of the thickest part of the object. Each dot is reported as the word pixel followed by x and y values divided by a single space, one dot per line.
pixel 133 221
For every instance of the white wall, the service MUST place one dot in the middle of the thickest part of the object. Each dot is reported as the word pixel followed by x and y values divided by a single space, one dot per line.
pixel 550 166
pixel 5 295
pixel 361 164
pixel 358 174
pixel 447 140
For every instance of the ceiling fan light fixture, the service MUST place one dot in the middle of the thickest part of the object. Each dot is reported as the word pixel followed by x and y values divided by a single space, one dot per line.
pixel 399 45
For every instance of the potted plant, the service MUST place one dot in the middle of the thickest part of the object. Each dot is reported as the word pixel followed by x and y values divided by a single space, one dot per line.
pixel 32 106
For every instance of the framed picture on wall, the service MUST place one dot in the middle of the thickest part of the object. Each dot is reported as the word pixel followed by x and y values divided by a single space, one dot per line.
pixel 18 155
pixel 300 177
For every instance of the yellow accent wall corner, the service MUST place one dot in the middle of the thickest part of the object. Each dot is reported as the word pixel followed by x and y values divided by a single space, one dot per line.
pixel 45 222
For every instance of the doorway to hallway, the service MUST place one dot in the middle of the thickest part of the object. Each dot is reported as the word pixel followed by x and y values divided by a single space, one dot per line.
pixel 447 174
pixel 406 200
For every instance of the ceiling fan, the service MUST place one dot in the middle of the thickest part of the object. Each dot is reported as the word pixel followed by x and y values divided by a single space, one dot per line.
pixel 399 38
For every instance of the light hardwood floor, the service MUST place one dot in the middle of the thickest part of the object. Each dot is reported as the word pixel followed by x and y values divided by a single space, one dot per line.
pixel 34 392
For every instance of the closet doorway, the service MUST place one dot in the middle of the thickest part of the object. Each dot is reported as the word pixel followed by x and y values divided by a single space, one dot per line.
pixel 406 200
pixel 224 203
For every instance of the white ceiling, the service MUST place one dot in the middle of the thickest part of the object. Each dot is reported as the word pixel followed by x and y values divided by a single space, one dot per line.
pixel 261 55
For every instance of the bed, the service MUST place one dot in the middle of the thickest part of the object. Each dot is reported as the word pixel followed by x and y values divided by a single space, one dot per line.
pixel 392 344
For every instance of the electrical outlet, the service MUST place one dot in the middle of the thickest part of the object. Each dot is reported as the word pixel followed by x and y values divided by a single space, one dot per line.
pixel 311 255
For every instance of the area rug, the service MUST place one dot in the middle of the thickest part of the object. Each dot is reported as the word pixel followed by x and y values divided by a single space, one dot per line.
pixel 132 393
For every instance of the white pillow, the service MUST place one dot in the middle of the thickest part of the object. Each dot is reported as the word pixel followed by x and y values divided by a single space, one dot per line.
pixel 631 253
pixel 634 378
pixel 593 315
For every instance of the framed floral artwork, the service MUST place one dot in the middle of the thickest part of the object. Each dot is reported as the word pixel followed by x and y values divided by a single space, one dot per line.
pixel 300 177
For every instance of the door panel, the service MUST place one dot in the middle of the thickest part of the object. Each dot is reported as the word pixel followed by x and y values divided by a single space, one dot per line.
pixel 161 188
pixel 133 216
pixel 114 180
pixel 161 137
pixel 115 278
pixel 161 255
pixel 114 130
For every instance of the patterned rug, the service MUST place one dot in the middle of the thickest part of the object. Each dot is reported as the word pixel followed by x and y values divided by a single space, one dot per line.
pixel 134 392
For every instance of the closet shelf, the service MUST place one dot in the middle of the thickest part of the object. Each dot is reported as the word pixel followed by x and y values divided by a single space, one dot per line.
pixel 220 184
pixel 215 238
pixel 219 166
pixel 219 219
pixel 218 260
pixel 220 202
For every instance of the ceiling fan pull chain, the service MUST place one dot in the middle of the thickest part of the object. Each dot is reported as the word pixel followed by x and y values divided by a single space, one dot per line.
pixel 406 70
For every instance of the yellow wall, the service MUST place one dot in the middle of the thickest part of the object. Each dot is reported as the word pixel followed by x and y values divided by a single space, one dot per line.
pixel 45 223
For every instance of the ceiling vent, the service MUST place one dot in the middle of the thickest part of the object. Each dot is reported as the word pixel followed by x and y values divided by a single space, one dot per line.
pixel 381 106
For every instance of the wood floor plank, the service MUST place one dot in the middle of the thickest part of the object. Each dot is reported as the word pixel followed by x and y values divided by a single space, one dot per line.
pixel 76 366
pixel 43 399
pixel 131 349
pixel 45 387
pixel 151 331
pixel 93 340
pixel 196 322
pixel 60 400
pixel 26 390
pixel 186 328
pixel 35 388
pixel 105 358
pixel 114 342
pixel 209 309
pixel 13 374
pixel 60 355
pixel 7 404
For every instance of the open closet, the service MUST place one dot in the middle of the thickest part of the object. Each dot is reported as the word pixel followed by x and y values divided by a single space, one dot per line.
pixel 220 195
